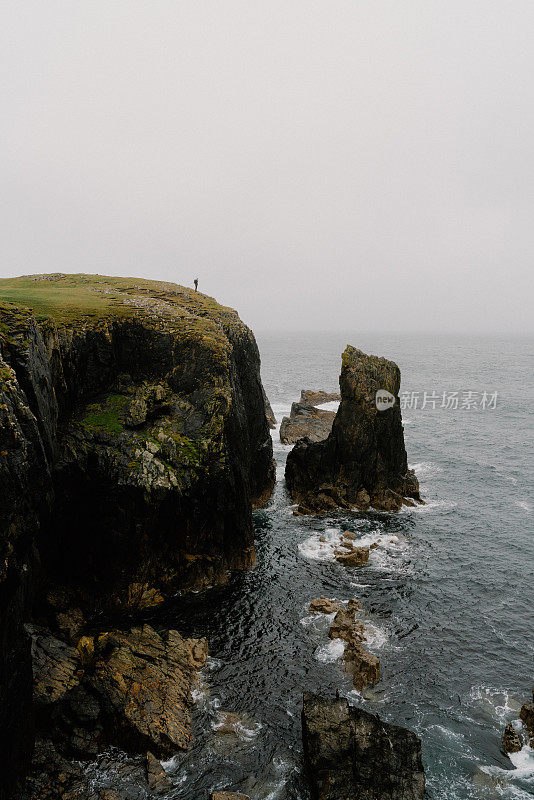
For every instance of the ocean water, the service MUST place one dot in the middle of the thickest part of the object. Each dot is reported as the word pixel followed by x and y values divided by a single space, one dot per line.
pixel 447 595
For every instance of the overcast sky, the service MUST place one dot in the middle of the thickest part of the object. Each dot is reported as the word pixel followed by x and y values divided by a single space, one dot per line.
pixel 326 164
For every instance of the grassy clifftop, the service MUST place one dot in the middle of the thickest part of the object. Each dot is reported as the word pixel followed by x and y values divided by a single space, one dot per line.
pixel 70 298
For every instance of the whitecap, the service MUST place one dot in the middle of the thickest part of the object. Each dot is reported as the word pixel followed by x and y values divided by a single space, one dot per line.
pixel 331 651
pixel 426 469
pixel 375 637
pixel 524 505
pixel 523 762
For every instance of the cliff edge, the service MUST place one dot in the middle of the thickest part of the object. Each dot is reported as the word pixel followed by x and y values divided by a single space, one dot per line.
pixel 133 446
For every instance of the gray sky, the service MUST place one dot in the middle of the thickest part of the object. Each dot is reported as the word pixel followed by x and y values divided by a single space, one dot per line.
pixel 326 164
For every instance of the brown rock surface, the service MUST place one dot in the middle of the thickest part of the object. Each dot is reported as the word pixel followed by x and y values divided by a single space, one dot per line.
pixel 355 557
pixel 315 398
pixel 511 741
pixel 306 421
pixel 323 605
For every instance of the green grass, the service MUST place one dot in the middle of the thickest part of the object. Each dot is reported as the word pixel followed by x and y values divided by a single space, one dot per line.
pixel 68 298
pixel 106 416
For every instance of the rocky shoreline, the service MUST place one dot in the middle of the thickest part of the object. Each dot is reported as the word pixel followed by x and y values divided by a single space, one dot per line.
pixel 134 444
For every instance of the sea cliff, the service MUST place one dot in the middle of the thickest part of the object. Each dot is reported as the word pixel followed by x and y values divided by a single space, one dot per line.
pixel 133 447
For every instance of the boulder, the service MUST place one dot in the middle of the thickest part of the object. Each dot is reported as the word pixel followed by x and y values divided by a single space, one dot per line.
pixel 364 667
pixel 511 741
pixel 345 626
pixel 355 557
pixel 363 461
pixel 309 397
pixel 351 754
pixel 323 605
pixel 306 421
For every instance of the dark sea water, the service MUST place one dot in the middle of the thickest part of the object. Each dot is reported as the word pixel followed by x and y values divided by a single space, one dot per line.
pixel 447 595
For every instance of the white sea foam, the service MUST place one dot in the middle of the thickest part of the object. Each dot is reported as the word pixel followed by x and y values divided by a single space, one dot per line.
pixel 375 637
pixel 523 761
pixel 430 507
pixel 426 469
pixel 240 726
pixel 331 651
pixel 333 405
pixel 498 704
pixel 315 549
pixel 524 505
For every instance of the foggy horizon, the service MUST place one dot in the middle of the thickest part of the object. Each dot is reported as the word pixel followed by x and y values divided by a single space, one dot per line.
pixel 331 167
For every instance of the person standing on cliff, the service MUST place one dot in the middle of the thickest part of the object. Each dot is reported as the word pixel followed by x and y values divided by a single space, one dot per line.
pixel 196 284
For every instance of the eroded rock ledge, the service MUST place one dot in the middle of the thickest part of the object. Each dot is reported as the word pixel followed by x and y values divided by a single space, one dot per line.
pixel 363 461
pixel 133 446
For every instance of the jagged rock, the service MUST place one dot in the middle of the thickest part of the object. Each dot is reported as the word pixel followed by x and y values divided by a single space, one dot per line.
pixel 69 624
pixel 141 595
pixel 143 684
pixel 306 421
pixel 166 503
pixel 309 397
pixel 527 717
pixel 157 779
pixel 323 605
pixel 352 755
pixel 56 667
pixel 269 413
pixel 363 461
pixel 149 400
pixel 364 667
pixel 135 693
pixel 345 626
pixel 511 741
pixel 355 557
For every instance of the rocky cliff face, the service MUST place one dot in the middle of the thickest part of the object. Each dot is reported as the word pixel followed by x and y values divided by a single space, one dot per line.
pixel 352 755
pixel 133 445
pixel 363 461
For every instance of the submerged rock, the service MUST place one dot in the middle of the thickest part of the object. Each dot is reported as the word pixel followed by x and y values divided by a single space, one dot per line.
pixel 363 461
pixel 351 754
pixel 306 421
pixel 364 667
pixel 511 741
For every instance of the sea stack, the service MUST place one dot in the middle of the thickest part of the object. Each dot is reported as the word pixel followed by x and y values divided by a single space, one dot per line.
pixel 363 461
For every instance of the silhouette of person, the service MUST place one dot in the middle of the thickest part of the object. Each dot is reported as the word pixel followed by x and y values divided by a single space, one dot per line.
pixel 196 284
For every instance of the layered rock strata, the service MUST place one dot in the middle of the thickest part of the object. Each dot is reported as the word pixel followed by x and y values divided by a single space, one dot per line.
pixel 363 462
